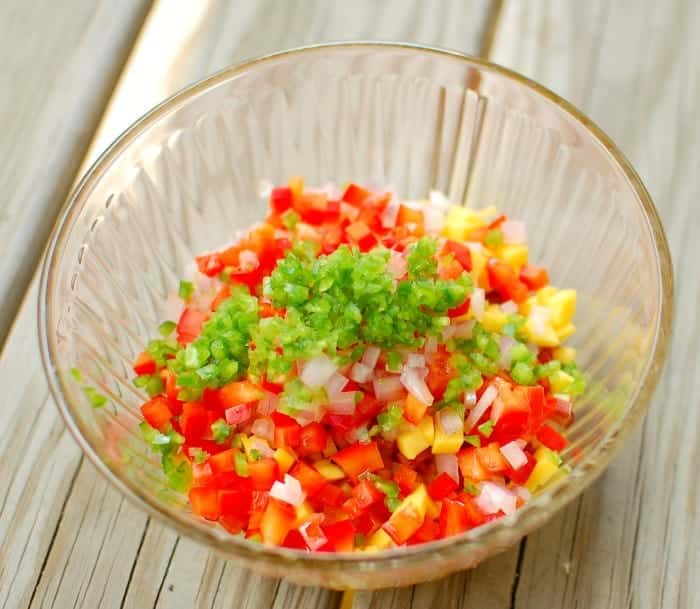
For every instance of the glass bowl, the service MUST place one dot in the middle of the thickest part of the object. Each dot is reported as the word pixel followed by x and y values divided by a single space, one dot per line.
pixel 185 177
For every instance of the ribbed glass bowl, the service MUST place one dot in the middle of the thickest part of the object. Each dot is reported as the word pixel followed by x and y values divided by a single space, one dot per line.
pixel 185 177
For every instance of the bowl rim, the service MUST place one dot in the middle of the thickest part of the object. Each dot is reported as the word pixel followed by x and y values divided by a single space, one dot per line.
pixel 503 531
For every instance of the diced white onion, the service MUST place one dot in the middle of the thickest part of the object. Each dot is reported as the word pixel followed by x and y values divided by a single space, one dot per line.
pixel 349 211
pixel 264 428
pixel 360 373
pixel 465 330
pixel 388 388
pixel 513 231
pixel 495 498
pixel 523 493
pixel 343 403
pixel 415 360
pixel 261 446
pixel 448 332
pixel 514 454
pixel 390 214
pixel 505 346
pixel 539 318
pixel 314 542
pixel 335 384
pixel 268 403
pixel 438 199
pixel 370 356
pixel 509 307
pixel 482 405
pixel 431 345
pixel 448 465
pixel 470 399
pixel 397 264
pixel 477 302
pixel 317 371
pixel 248 260
pixel 434 219
pixel 289 491
pixel 331 191
pixel 413 379
pixel 304 417
pixel 450 421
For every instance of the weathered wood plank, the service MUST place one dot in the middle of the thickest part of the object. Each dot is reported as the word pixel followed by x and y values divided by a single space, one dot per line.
pixel 632 539
pixel 66 537
pixel 60 63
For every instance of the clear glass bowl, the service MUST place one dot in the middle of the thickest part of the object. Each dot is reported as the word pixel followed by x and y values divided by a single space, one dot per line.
pixel 185 177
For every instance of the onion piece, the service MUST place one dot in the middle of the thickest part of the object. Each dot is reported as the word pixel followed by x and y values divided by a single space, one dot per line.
pixel 505 346
pixel 264 428
pixel 390 214
pixel 335 384
pixel 397 264
pixel 289 491
pixel 360 373
pixel 388 388
pixel 434 219
pixel 317 371
pixel 370 356
pixel 523 493
pixel 447 464
pixel 449 421
pixel 470 399
pixel 482 405
pixel 248 260
pixel 261 446
pixel 415 360
pixel 240 413
pixel 464 330
pixel 539 318
pixel 495 498
pixel 413 379
pixel 513 231
pixel 268 403
pixel 343 403
pixel 477 303
pixel 509 307
pixel 439 200
pixel 316 540
pixel 514 454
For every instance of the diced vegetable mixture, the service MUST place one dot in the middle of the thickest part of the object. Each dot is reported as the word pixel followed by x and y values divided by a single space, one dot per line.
pixel 358 373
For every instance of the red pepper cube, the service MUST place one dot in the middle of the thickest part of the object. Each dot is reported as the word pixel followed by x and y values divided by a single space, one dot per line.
pixel 263 473
pixel 281 199
pixel 239 392
pixel 365 494
pixel 205 502
pixel 551 438
pixel 157 412
pixel 491 458
pixel 189 326
pixel 209 264
pixel 428 531
pixel 470 466
pixel 194 422
pixel 534 277
pixel 359 458
pixel 144 364
pixel 223 461
pixel 276 522
pixel 236 502
pixel 356 195
pixel 405 477
pixel 441 486
pixel 503 279
pixel 403 523
pixel 314 439
pixel 309 478
pixel 453 518
pixel 460 252
pixel 340 535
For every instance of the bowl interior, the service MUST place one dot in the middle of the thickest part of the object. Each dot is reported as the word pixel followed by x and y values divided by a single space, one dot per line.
pixel 186 178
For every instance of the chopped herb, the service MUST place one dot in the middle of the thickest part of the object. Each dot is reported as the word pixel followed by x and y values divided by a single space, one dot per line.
pixel 474 440
pixel 241 464
pixel 485 429
pixel 185 290
pixel 97 400
pixel 221 431
pixel 255 454
pixel 166 328
pixel 76 374
pixel 199 455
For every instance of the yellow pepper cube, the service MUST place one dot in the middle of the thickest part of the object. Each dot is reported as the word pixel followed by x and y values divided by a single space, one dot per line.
pixel 544 295
pixel 418 500
pixel 515 254
pixel 285 459
pixel 379 540
pixel 427 428
pixel 460 222
pixel 566 331
pixel 447 443
pixel 478 272
pixel 560 381
pixel 544 337
pixel 411 441
pixel 296 185
pixel 329 470
pixel 526 306
pixel 494 319
pixel 566 355
pixel 303 512
pixel 562 307
pixel 547 466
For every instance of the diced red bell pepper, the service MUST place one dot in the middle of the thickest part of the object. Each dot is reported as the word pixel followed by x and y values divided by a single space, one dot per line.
pixel 281 199
pixel 223 461
pixel 312 207
pixel 365 494
pixel 408 215
pixel 239 392
pixel 314 439
pixel 428 531
pixel 240 413
pixel 441 486
pixel 356 195
pixel 406 477
pixel 189 326
pixel 157 412
pixel 201 474
pixel 551 438
pixel 287 435
pixel 539 407
pixel 520 475
pixel 370 520
pixel 263 473
pixel 309 478
pixel 295 541
pixel 330 495
pixel 205 502
pixel 475 516
pixel 194 422
pixel 276 522
pixel 209 264
pixel 340 535
pixel 170 382
pixel 503 279
pixel 453 518
pixel 460 252
pixel 459 310
pixel 491 458
pixel 440 372
pixel 403 523
pixel 144 364
pixel 361 234
pixel 534 277
pixel 235 502
pixel 233 524
pixel 259 500
pixel 359 458
pixel 470 466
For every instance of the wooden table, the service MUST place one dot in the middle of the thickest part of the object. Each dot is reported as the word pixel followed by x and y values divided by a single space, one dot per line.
pixel 79 71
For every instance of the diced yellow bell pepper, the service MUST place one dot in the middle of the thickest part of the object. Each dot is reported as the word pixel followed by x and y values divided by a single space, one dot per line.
pixel 479 258
pixel 493 318
pixel 331 448
pixel 330 471
pixel 379 540
pixel 303 511
pixel 547 338
pixel 285 459
pixel 565 355
pixel 526 306
pixel 562 306
pixel 411 441
pixel 545 294
pixel 515 254
pixel 418 500
pixel 461 221
pixel 447 443
pixel 545 469
pixel 296 184
pixel 256 537
pixel 427 428
pixel 564 332
pixel 560 381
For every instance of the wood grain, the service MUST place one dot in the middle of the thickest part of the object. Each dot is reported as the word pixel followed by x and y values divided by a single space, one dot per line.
pixel 60 63
pixel 66 537
pixel 632 540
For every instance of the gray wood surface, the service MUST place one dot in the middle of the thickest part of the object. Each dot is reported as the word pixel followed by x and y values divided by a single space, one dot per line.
pixel 632 540
pixel 60 61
